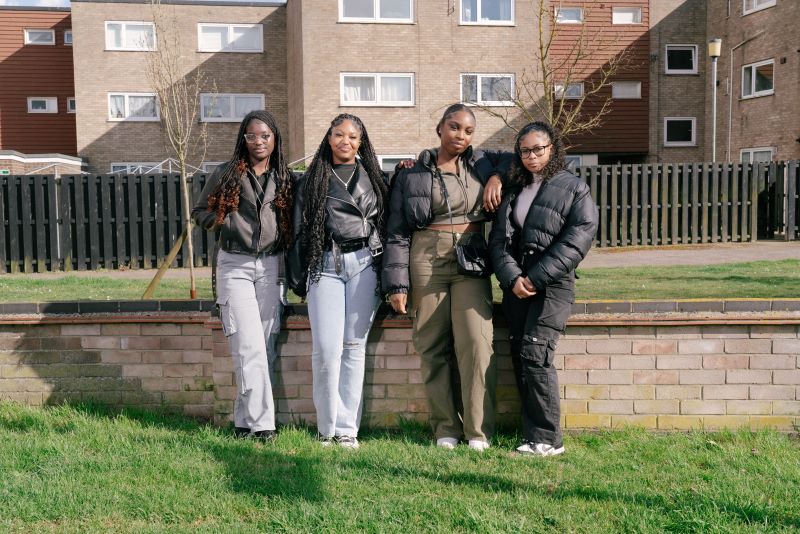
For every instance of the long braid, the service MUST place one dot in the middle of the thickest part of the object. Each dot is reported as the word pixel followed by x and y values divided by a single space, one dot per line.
pixel 225 197
pixel 314 235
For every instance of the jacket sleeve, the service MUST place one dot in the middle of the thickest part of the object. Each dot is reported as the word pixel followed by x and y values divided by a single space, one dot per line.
pixel 394 274
pixel 296 267
pixel 491 162
pixel 200 214
pixel 505 267
pixel 572 243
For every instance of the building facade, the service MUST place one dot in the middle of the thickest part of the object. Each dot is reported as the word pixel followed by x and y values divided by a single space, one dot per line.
pixel 37 95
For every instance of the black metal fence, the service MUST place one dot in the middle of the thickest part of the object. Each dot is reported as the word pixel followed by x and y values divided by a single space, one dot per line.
pixel 113 222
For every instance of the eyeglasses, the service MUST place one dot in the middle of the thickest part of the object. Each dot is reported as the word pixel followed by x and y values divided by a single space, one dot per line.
pixel 251 138
pixel 526 152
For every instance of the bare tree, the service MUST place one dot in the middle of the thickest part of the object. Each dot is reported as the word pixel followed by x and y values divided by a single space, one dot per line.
pixel 541 91
pixel 178 94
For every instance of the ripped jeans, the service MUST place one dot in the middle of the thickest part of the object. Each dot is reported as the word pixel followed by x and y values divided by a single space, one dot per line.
pixel 250 300
pixel 341 308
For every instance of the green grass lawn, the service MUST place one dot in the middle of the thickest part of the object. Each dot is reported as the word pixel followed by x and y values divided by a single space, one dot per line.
pixel 763 279
pixel 84 469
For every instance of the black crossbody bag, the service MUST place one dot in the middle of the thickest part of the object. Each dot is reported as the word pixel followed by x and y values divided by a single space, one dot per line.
pixel 472 252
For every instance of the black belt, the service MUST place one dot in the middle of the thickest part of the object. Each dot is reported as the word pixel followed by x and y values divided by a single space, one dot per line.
pixel 232 247
pixel 352 245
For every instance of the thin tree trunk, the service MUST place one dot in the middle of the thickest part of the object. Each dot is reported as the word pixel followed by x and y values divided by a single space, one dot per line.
pixel 188 225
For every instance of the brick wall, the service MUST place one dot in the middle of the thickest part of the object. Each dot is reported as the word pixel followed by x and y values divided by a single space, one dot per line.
pixel 706 370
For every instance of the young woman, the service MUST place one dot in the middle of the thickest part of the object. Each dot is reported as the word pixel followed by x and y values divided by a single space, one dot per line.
pixel 248 202
pixel 453 312
pixel 544 228
pixel 339 233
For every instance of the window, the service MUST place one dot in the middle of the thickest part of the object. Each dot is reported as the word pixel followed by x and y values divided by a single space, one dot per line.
pixel 230 37
pixel 136 168
pixel 574 91
pixel 68 37
pixel 487 89
pixel 750 6
pixel 758 79
pixel 130 36
pixel 623 90
pixel 388 163
pixel 375 11
pixel 487 12
pixel 42 104
pixel 569 15
pixel 756 155
pixel 394 89
pixel 40 37
pixel 573 161
pixel 209 166
pixel 681 59
pixel 679 131
pixel 626 15
pixel 132 107
pixel 71 104
pixel 225 107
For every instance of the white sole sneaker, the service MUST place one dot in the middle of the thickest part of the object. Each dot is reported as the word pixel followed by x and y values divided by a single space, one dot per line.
pixel 447 443
pixel 348 442
pixel 478 445
pixel 540 449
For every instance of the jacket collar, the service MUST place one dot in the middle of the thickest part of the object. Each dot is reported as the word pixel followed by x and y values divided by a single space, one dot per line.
pixel 428 158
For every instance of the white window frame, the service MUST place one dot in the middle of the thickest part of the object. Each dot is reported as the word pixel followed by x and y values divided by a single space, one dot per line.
pixel 559 92
pixel 480 22
pixel 74 106
pixel 51 103
pixel 378 101
pixel 377 18
pixel 767 4
pixel 67 42
pixel 394 156
pixel 620 82
pixel 752 66
pixel 208 166
pixel 559 9
pixel 150 166
pixel 232 97
pixel 626 10
pixel 577 158
pixel 667 70
pixel 28 40
pixel 481 101
pixel 125 47
pixel 230 28
pixel 752 151
pixel 692 142
pixel 127 118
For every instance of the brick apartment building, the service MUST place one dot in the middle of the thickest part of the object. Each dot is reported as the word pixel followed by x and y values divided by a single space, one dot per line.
pixel 398 63
pixel 37 95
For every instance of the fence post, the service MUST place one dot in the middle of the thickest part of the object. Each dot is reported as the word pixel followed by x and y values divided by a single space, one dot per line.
pixel 753 206
pixel 791 203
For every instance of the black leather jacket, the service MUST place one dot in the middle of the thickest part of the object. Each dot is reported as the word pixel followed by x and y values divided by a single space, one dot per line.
pixel 410 208
pixel 556 235
pixel 246 230
pixel 348 217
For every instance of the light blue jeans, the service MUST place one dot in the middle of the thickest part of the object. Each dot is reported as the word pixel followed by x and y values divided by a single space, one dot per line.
pixel 341 308
pixel 250 298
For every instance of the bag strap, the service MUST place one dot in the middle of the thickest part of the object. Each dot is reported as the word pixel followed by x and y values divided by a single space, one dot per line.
pixel 446 196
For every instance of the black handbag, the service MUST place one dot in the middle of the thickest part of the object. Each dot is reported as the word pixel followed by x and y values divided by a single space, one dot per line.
pixel 472 252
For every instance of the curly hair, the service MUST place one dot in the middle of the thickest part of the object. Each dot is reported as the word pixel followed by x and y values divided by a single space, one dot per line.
pixel 225 197
pixel 314 237
pixel 452 109
pixel 519 175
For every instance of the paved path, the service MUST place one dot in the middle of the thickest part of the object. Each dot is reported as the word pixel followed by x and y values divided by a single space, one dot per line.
pixel 598 257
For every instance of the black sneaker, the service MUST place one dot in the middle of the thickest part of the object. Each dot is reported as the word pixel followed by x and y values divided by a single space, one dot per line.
pixel 265 435
pixel 241 432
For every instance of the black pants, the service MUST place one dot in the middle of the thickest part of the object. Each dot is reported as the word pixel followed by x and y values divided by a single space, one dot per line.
pixel 535 325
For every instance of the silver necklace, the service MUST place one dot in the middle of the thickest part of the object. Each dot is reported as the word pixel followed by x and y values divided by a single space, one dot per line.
pixel 345 183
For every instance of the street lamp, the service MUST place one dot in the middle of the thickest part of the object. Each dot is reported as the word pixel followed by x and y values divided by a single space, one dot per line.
pixel 714 50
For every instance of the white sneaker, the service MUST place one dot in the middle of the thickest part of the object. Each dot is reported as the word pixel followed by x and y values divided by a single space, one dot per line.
pixel 447 443
pixel 326 441
pixel 478 444
pixel 348 442
pixel 539 449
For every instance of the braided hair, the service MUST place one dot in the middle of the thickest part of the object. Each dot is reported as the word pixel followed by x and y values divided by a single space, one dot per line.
pixel 225 197
pixel 314 237
pixel 521 176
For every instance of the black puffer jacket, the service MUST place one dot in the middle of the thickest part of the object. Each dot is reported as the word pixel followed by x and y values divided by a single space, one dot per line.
pixel 347 217
pixel 557 233
pixel 410 207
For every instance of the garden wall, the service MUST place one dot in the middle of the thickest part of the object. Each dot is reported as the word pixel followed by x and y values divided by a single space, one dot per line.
pixel 659 365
